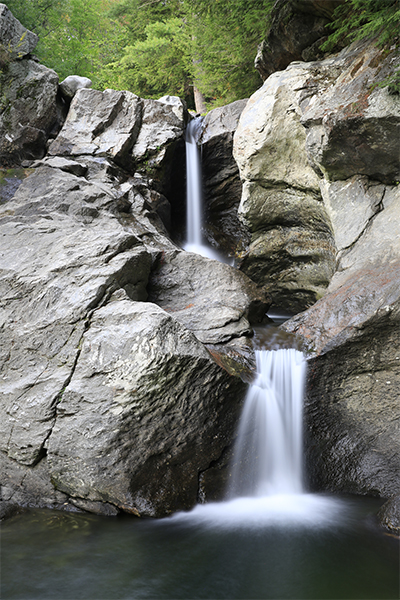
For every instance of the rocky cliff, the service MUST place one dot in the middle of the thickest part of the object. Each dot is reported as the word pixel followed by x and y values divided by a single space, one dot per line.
pixel 109 398
pixel 318 147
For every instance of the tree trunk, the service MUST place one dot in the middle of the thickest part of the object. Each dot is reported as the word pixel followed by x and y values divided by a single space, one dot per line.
pixel 199 101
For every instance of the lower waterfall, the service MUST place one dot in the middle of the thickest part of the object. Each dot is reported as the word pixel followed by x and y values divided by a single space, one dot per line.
pixel 266 479
pixel 268 450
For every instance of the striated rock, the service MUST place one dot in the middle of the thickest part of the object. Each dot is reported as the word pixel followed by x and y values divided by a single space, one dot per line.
pixel 210 298
pixel 353 125
pixel 15 40
pixel 292 250
pixel 221 181
pixel 389 515
pixel 132 426
pixel 72 84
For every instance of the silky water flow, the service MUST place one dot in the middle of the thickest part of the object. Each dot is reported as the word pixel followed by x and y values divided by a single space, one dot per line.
pixel 266 481
pixel 194 196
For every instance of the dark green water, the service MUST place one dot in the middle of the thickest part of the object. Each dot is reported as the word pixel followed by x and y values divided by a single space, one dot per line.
pixel 71 556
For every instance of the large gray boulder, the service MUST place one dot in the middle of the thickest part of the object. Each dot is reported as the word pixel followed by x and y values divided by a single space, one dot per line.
pixel 28 91
pixel 15 40
pixel 221 181
pixel 292 251
pixel 215 301
pixel 104 396
pixel 100 124
pixel 132 426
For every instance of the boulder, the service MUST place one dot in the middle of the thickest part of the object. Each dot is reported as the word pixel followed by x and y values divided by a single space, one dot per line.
pixel 132 426
pixel 88 358
pixel 28 111
pixel 71 84
pixel 15 40
pixel 100 124
pixel 28 106
pixel 353 124
pixel 292 251
pixel 213 300
pixel 221 182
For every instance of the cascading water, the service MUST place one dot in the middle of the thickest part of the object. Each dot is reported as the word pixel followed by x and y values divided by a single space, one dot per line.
pixel 268 451
pixel 266 486
pixel 194 220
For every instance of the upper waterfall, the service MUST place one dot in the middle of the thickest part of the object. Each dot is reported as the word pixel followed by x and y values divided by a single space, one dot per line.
pixel 194 200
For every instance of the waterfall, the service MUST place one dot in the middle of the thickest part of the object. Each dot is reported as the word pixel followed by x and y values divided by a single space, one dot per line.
pixel 194 220
pixel 268 451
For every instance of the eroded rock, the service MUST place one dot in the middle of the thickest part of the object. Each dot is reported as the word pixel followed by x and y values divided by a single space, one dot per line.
pixel 292 250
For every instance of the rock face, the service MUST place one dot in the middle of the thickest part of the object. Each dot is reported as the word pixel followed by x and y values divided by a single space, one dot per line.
pixel 28 108
pixel 221 181
pixel 297 30
pixel 389 515
pixel 292 251
pixel 353 404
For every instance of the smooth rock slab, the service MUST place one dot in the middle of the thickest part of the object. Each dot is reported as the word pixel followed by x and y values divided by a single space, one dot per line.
pixel 133 427
pixel 213 300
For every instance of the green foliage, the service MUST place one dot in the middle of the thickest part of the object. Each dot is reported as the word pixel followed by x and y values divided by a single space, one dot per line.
pixel 152 47
pixel 76 37
pixel 358 19
pixel 172 45
pixel 157 63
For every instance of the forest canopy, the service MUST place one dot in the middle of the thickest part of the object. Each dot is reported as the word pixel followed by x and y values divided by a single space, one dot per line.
pixel 176 47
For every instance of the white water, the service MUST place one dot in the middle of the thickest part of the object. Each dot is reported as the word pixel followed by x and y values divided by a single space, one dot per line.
pixel 194 219
pixel 268 451
pixel 266 487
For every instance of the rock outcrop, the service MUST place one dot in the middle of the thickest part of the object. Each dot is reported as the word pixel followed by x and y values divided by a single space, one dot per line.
pixel 292 251
pixel 28 107
pixel 297 30
pixel 353 404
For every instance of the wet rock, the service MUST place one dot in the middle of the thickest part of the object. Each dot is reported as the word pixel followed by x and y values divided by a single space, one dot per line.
pixel 352 406
pixel 389 515
pixel 221 181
